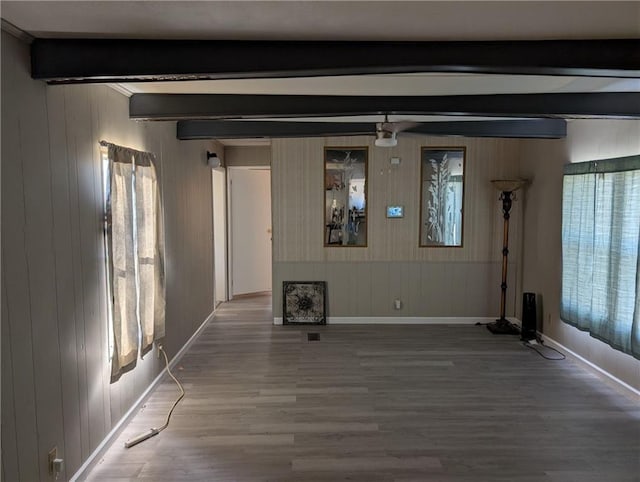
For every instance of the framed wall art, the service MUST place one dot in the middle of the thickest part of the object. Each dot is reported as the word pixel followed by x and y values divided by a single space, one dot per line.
pixel 345 196
pixel 441 196
pixel 304 302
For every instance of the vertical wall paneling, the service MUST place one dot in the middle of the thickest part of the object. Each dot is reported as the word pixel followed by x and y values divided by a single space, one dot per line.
pixel 55 370
pixel 542 162
pixel 80 108
pixel 14 263
pixel 430 282
pixel 63 257
pixel 97 98
pixel 243 156
pixel 9 430
pixel 76 243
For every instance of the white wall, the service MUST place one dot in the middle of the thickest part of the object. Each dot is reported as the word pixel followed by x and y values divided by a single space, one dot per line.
pixel 542 162
pixel 55 370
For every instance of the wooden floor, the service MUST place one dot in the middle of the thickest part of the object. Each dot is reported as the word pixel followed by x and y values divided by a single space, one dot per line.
pixel 376 403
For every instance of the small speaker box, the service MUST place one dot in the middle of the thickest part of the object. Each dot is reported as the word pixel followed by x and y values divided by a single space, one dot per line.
pixel 529 317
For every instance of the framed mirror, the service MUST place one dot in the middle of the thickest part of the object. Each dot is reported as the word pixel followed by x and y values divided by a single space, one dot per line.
pixel 441 196
pixel 345 196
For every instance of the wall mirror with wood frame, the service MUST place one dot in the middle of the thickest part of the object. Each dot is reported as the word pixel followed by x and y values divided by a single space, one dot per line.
pixel 441 196
pixel 345 196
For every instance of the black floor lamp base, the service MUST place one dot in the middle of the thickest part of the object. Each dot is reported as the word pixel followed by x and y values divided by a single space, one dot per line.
pixel 503 327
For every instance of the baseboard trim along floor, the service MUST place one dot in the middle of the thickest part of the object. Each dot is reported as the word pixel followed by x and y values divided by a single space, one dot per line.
pixel 418 320
pixel 84 470
pixel 625 387
pixel 405 320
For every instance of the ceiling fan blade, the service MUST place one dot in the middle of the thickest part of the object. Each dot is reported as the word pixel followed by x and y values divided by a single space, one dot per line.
pixel 403 125
pixel 396 126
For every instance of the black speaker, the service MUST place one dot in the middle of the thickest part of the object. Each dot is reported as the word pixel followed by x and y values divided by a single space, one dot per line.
pixel 529 317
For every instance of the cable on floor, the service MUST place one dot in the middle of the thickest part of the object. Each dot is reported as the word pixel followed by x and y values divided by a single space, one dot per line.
pixel 155 431
pixel 533 347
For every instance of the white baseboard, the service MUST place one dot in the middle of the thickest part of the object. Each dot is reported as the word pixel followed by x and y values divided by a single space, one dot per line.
pixel 405 320
pixel 591 366
pixel 100 449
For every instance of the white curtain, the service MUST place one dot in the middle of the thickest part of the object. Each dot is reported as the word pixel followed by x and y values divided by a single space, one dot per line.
pixel 150 260
pixel 136 242
pixel 601 251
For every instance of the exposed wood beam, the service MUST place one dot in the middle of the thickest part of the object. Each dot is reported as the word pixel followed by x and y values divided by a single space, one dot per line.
pixel 118 60
pixel 228 106
pixel 213 129
pixel 220 129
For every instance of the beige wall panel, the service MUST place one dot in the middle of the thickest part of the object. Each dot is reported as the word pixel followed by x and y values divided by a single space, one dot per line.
pixel 247 156
pixel 426 289
pixel 54 307
pixel 297 170
pixel 9 431
pixel 543 161
pixel 364 281
pixel 15 265
pixel 64 274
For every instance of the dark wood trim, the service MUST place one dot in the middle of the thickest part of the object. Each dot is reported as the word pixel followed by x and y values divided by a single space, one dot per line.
pixel 231 106
pixel 215 129
pixel 220 129
pixel 111 60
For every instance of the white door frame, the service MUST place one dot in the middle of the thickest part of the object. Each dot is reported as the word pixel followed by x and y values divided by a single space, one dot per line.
pixel 224 226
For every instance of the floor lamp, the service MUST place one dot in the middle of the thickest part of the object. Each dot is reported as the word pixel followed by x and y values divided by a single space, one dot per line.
pixel 507 187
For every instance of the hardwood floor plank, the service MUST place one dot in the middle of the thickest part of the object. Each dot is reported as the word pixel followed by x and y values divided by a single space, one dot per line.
pixel 366 464
pixel 383 403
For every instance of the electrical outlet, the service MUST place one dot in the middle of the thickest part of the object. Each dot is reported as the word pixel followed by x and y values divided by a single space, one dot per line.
pixel 55 463
pixel 53 454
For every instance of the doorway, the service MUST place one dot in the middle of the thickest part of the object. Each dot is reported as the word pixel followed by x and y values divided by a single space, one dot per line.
pixel 250 230
pixel 219 235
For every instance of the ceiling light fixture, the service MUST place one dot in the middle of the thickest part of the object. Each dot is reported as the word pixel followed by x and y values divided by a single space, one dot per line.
pixel 386 138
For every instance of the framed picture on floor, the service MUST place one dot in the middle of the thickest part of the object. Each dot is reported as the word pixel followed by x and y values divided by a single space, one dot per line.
pixel 304 302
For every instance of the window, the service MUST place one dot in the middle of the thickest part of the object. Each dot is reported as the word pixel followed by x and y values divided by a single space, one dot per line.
pixel 135 254
pixel 600 251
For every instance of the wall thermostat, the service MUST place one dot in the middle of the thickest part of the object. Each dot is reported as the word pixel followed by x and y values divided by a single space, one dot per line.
pixel 395 211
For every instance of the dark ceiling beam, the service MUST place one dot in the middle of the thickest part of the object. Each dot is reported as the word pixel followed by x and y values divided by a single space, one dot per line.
pixel 229 106
pixel 118 60
pixel 213 129
pixel 216 129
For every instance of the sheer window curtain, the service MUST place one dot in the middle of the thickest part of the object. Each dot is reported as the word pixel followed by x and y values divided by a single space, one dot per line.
pixel 601 251
pixel 136 244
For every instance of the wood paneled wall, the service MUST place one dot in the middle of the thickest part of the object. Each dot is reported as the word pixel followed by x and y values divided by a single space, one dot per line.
pixel 55 369
pixel 393 258
pixel 247 156
pixel 543 161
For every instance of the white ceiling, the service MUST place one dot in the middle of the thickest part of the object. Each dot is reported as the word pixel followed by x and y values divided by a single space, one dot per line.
pixel 392 84
pixel 322 20
pixel 344 20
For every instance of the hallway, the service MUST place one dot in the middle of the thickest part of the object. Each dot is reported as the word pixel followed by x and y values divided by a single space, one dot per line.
pixel 375 403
